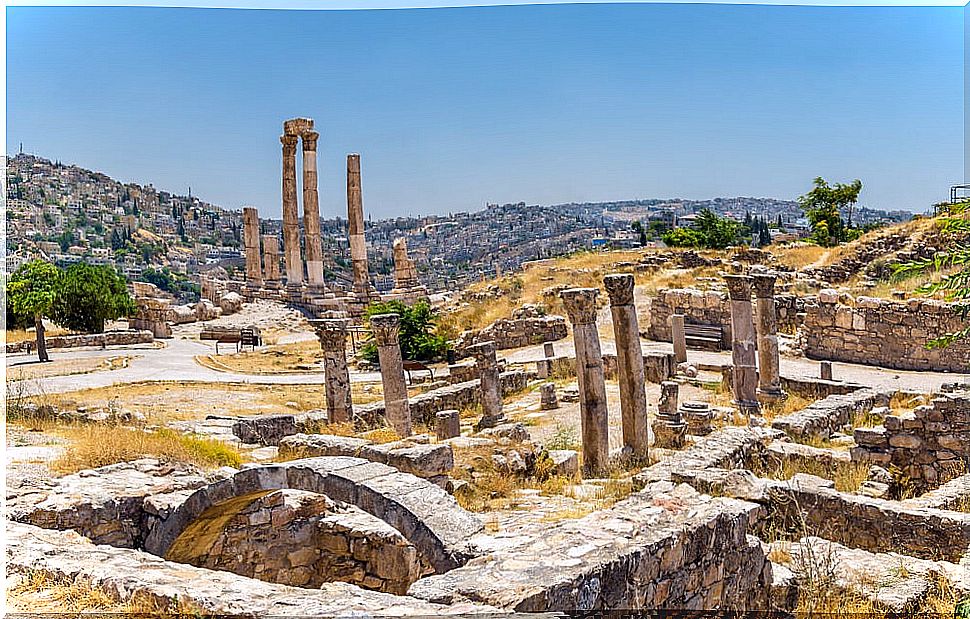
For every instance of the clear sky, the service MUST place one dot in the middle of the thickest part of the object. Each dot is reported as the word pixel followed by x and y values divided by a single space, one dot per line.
pixel 451 108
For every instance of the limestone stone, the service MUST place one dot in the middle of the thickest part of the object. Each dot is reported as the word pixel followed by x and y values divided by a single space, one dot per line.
pixel 386 330
pixel 629 355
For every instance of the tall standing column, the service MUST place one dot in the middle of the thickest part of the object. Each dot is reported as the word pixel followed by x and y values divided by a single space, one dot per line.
pixel 291 215
pixel 491 384
pixel 743 351
pixel 769 362
pixel 311 211
pixel 254 275
pixel 629 361
pixel 580 305
pixel 386 328
pixel 678 336
pixel 271 260
pixel 355 232
pixel 332 333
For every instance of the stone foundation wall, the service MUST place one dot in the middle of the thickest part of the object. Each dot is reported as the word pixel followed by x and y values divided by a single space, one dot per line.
pixel 297 538
pixel 930 445
pixel 516 333
pixel 457 396
pixel 820 419
pixel 891 334
pixel 711 307
pixel 108 338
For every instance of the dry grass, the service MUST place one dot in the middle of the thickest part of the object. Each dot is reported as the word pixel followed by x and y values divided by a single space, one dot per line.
pixel 66 367
pixel 41 592
pixel 294 358
pixel 789 405
pixel 161 402
pixel 92 446
pixel 381 435
pixel 14 336
pixel 847 476
pixel 584 269
pixel 801 255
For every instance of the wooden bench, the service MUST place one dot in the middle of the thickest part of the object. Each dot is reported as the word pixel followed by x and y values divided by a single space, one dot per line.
pixel 705 337
pixel 417 366
pixel 248 336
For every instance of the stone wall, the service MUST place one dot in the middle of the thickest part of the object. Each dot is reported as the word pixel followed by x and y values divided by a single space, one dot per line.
pixel 711 307
pixel 831 414
pixel 666 547
pixel 458 396
pixel 886 333
pixel 930 445
pixel 302 539
pixel 516 333
pixel 108 338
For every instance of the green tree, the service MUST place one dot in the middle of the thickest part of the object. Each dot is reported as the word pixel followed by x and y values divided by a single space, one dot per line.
pixel 89 296
pixel 950 268
pixel 823 206
pixel 419 338
pixel 32 292
pixel 637 227
pixel 684 237
pixel 719 232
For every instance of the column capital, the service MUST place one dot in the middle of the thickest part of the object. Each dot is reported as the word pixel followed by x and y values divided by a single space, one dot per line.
pixel 619 286
pixel 386 328
pixel 580 305
pixel 764 285
pixel 332 333
pixel 289 144
pixel 310 140
pixel 739 287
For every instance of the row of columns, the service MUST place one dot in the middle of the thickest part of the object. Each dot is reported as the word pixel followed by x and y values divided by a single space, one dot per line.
pixel 580 304
pixel 756 363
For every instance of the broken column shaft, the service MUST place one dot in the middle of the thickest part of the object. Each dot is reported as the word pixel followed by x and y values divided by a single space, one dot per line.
pixel 743 347
pixel 291 215
pixel 311 211
pixel 769 361
pixel 486 364
pixel 332 333
pixel 629 361
pixel 254 275
pixel 355 229
pixel 678 337
pixel 580 305
pixel 386 329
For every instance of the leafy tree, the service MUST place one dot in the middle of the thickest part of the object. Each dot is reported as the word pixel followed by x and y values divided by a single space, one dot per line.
pixel 684 237
pixel 637 227
pixel 171 282
pixel 89 296
pixel 822 206
pixel 419 338
pixel 32 292
pixel 952 266
pixel 719 232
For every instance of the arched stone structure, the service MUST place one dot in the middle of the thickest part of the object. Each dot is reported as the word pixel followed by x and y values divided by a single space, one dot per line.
pixel 424 513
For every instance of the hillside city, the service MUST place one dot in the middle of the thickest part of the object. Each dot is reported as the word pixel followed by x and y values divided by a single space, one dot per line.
pixel 67 214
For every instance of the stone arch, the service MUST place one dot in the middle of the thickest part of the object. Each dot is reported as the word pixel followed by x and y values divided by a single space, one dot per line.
pixel 424 513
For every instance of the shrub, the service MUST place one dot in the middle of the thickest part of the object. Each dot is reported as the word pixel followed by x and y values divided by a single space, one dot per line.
pixel 418 332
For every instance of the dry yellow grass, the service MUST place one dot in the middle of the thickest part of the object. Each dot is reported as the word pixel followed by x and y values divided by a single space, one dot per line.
pixel 174 401
pixel 37 591
pixel 21 335
pixel 293 358
pixel 801 255
pixel 67 367
pixel 94 446
pixel 847 476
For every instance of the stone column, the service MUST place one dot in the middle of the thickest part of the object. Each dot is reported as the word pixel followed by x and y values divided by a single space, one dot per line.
pixel 447 424
pixel 291 215
pixel 825 370
pixel 271 260
pixel 669 428
pixel 355 231
pixel 743 351
pixel 332 333
pixel 548 398
pixel 486 364
pixel 580 305
pixel 386 328
pixel 254 275
pixel 629 361
pixel 769 362
pixel 678 336
pixel 311 211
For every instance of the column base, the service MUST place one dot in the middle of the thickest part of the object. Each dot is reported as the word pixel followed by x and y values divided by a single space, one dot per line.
pixel 770 396
pixel 490 422
pixel 751 409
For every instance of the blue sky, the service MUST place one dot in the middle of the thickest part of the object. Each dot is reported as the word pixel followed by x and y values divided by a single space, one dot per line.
pixel 451 108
